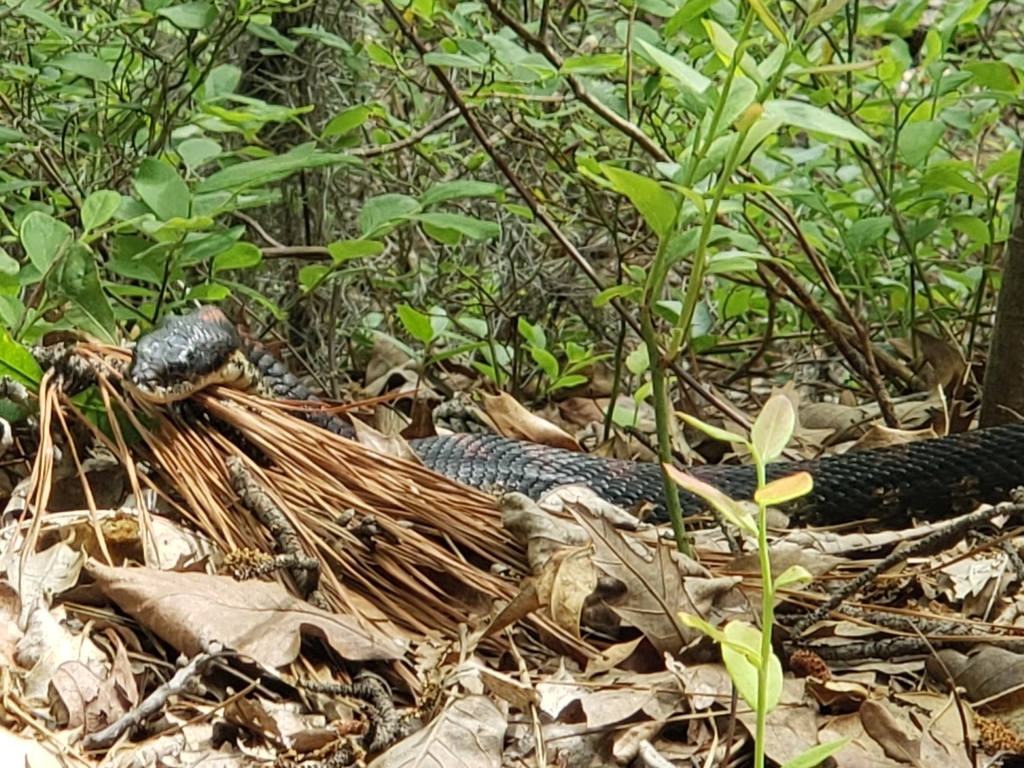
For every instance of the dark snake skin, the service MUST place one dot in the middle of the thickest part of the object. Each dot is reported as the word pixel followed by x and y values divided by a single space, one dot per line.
pixel 933 479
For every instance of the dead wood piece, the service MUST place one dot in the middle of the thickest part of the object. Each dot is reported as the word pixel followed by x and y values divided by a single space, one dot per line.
pixel 182 681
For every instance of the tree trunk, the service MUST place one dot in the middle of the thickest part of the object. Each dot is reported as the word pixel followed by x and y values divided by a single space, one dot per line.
pixel 1003 389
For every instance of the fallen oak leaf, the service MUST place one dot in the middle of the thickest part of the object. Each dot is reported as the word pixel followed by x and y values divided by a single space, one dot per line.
pixel 255 618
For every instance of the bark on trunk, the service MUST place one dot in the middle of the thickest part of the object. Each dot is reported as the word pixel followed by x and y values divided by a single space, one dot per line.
pixel 1003 388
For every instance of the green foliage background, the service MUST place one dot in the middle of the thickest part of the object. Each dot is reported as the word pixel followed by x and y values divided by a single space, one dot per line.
pixel 735 169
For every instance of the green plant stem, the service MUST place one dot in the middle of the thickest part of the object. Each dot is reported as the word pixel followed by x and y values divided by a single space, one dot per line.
pixel 662 415
pixel 767 616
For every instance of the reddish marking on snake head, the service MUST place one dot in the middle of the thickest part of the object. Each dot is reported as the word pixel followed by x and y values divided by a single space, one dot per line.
pixel 211 314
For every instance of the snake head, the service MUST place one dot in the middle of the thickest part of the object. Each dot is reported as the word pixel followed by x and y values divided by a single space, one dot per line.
pixel 184 354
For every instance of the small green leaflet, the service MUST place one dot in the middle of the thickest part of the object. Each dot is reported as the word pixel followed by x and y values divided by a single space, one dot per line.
pixel 811 118
pixel 655 204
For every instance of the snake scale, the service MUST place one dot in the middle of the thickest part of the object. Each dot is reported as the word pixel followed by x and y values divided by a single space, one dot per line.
pixel 932 479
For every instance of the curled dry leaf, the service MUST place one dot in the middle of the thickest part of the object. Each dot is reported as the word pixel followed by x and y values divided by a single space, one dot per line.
pixel 564 585
pixel 513 420
pixel 257 619
pixel 879 436
pixel 469 733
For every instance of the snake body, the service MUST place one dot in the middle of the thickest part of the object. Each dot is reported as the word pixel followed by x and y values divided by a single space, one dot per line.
pixel 933 479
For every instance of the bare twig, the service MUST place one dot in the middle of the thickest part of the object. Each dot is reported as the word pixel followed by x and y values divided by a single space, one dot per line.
pixel 182 681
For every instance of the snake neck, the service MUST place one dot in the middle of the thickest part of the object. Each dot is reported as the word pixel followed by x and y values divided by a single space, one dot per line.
pixel 268 377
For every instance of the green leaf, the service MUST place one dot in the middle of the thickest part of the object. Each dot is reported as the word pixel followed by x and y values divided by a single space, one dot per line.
pixel 475 229
pixel 811 118
pixel 198 15
pixel 347 120
pixel 238 256
pixel 9 135
pixel 99 208
pixel 76 279
pixel 740 651
pixel 380 55
pixel 344 250
pixel 817 755
pixel 208 292
pixel 734 261
pixel 197 152
pixel 270 169
pixel 624 291
pixel 44 239
pixel 684 73
pixel 453 60
pixel 773 428
pixel 768 20
pixel 725 46
pixel 784 489
pixel 534 334
pixel 712 431
pixel 994 76
pixel 416 323
pixel 689 11
pixel 457 190
pixel 638 361
pixel 823 14
pixel 917 140
pixel 729 508
pixel 383 210
pixel 972 226
pixel 795 574
pixel 568 382
pixel 161 188
pixel 84 65
pixel 866 232
pixel 546 361
pixel 654 203
pixel 17 363
pixel 312 275
pixel 951 177
pixel 696 622
pixel 598 64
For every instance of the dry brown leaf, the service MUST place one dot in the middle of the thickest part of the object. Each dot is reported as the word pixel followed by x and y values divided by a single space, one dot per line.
pixel 564 584
pixel 891 727
pixel 469 733
pixel 48 643
pixel 393 445
pixel 540 533
pixel 520 695
pixel 879 436
pixel 558 691
pixel 10 633
pixel 613 656
pixel 89 701
pixel 257 619
pixel 861 750
pixel 515 421
pixel 49 572
pixel 386 359
pixel 994 675
pixel 939 362
pixel 581 411
pixel 792 727
pixel 654 584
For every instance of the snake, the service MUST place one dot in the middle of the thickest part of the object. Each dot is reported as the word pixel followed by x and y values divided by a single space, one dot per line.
pixel 929 479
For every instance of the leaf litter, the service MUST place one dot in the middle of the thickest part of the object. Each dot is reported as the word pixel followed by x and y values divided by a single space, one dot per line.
pixel 506 633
